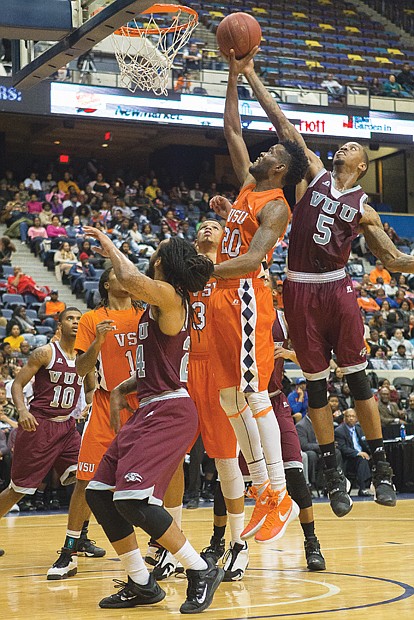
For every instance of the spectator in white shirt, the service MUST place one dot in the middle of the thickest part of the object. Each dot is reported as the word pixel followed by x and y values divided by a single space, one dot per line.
pixel 397 339
pixel 32 183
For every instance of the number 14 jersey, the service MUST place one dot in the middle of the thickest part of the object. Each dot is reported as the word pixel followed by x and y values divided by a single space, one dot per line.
pixel 325 221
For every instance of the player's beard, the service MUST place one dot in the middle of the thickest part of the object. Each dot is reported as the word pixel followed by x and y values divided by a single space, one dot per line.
pixel 259 171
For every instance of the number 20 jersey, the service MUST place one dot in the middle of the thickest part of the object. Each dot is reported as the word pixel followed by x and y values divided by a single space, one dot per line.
pixel 324 224
pixel 242 224
pixel 56 387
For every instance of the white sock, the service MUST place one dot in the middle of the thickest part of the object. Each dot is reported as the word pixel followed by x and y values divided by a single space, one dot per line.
pixel 133 564
pixel 177 513
pixel 189 557
pixel 272 448
pixel 236 523
pixel 258 473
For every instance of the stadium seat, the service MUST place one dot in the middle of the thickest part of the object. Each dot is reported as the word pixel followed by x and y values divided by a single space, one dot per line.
pixel 11 300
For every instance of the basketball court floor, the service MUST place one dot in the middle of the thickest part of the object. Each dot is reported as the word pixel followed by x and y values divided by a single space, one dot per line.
pixel 369 556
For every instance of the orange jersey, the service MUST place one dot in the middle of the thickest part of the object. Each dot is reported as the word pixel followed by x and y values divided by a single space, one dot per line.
pixel 242 224
pixel 116 360
pixel 198 332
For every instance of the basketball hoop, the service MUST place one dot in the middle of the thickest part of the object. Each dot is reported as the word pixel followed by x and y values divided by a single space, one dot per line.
pixel 146 47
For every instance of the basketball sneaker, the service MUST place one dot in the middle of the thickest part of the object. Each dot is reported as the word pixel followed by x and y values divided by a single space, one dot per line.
pixel 65 566
pixel 1 552
pixel 338 488
pixel 89 549
pixel 132 594
pixel 382 481
pixel 154 551
pixel 282 510
pixel 167 565
pixel 314 558
pixel 215 550
pixel 201 587
pixel 235 562
pixel 260 511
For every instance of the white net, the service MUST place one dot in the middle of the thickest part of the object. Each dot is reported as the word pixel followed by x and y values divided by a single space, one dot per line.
pixel 145 50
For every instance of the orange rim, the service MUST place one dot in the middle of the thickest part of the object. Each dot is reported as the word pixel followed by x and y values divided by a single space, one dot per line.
pixel 160 8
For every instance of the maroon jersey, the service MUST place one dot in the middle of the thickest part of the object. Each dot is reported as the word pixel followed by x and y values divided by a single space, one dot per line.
pixel 280 338
pixel 324 223
pixel 56 386
pixel 161 360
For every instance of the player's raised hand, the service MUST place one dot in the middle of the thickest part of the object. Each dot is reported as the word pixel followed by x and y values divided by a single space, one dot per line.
pixel 102 330
pixel 243 65
pixel 106 243
pixel 27 421
pixel 281 353
pixel 221 206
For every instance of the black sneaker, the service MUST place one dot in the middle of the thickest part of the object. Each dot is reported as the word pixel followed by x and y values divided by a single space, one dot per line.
pixel 88 548
pixel 65 566
pixel 193 502
pixel 338 491
pixel 1 552
pixel 54 504
pixel 382 480
pixel 132 594
pixel 236 561
pixel 314 557
pixel 215 550
pixel 201 587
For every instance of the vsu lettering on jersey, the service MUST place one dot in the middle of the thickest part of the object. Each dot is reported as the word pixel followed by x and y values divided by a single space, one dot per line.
pixel 162 361
pixel 242 224
pixel 325 222
pixel 56 387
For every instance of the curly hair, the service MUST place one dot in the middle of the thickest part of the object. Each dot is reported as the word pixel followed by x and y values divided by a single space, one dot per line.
pixel 183 268
pixel 297 162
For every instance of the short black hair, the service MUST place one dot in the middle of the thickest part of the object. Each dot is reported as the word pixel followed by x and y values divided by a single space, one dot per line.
pixel 297 162
pixel 66 310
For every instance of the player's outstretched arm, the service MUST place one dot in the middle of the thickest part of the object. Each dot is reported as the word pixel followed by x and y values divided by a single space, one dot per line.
pixel 40 357
pixel 154 292
pixel 232 126
pixel 381 245
pixel 273 219
pixel 86 360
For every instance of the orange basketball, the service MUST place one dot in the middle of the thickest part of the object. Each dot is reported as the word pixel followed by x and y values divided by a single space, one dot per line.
pixel 240 32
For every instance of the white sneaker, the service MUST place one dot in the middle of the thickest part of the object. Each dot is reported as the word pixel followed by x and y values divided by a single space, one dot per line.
pixel 167 566
pixel 236 560
pixel 65 566
pixel 15 508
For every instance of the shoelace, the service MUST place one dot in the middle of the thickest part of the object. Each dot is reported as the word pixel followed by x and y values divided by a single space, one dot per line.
pixel 63 559
pixel 195 586
pixel 122 585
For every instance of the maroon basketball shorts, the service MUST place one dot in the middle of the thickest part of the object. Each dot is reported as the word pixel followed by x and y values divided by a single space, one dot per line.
pixel 325 317
pixel 52 445
pixel 144 455
pixel 291 453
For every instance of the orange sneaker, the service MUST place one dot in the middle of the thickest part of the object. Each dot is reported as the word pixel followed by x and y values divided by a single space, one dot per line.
pixel 281 513
pixel 260 511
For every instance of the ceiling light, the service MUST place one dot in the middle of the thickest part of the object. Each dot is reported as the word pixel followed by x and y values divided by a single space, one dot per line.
pixel 56 142
pixel 104 145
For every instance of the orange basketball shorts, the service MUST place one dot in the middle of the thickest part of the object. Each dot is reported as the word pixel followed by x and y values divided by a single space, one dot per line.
pixel 216 431
pixel 98 435
pixel 240 318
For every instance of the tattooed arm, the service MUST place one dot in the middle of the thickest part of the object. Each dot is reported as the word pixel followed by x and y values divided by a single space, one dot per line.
pixel 381 245
pixel 273 219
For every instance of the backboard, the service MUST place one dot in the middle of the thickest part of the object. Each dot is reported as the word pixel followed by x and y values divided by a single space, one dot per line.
pixel 92 21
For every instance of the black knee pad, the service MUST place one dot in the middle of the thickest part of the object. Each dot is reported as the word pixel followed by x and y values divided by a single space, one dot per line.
pixel 297 487
pixel 359 385
pixel 102 505
pixel 317 393
pixel 219 503
pixel 154 520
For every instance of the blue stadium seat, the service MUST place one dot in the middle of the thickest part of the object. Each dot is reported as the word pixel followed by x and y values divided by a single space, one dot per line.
pixel 10 300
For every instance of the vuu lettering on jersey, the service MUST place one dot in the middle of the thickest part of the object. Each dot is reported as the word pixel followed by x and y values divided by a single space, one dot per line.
pixel 57 387
pixel 242 224
pixel 325 222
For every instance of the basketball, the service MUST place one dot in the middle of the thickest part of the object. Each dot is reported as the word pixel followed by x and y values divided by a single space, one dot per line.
pixel 240 32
